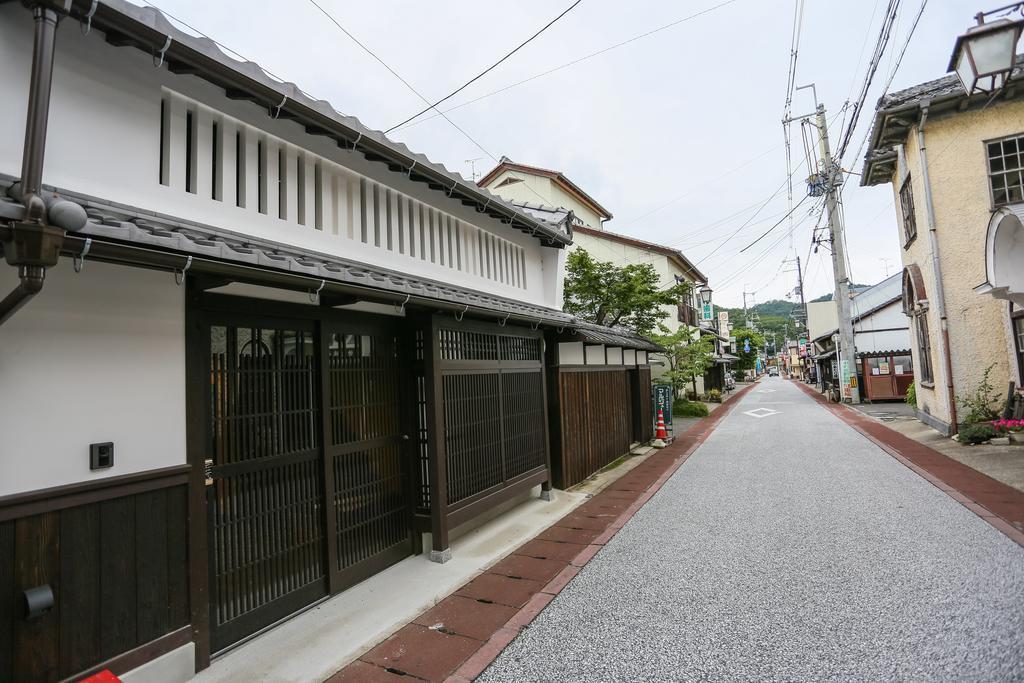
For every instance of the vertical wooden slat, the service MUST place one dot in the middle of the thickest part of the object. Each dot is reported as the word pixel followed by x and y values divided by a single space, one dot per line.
pixel 80 608
pixel 7 601
pixel 151 565
pixel 117 576
pixel 36 563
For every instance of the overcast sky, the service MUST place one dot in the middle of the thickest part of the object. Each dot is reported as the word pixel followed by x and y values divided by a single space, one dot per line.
pixel 678 133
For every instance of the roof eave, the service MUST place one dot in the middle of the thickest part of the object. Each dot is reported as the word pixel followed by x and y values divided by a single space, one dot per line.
pixel 126 24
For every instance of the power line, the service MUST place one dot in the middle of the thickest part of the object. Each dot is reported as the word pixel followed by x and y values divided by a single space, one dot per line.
pixel 575 61
pixel 892 74
pixel 416 92
pixel 777 224
pixel 485 71
pixel 876 58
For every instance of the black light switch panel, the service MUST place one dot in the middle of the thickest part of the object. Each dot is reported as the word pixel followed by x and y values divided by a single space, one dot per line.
pixel 101 455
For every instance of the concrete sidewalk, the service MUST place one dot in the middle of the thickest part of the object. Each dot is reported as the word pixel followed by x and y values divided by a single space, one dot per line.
pixel 788 547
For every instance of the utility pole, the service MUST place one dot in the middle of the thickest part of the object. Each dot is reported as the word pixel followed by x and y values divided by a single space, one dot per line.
pixel 833 179
pixel 800 288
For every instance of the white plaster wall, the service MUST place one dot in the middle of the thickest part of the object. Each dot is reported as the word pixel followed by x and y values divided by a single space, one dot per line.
pixel 96 356
pixel 570 353
pixel 104 141
pixel 595 355
pixel 536 189
pixel 978 324
pixel 614 355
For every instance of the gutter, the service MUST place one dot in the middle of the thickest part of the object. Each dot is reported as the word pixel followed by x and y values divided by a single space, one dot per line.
pixel 34 245
pixel 939 294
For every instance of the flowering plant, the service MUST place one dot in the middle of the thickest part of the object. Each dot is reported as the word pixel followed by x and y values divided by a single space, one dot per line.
pixel 1004 426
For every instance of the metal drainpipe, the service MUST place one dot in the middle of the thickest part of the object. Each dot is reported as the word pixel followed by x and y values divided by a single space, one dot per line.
pixel 939 293
pixel 36 245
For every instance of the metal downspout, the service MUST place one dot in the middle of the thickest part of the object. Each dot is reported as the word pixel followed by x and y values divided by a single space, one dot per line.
pixel 36 245
pixel 939 293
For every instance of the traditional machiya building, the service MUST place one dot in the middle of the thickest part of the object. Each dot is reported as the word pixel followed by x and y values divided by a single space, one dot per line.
pixel 552 196
pixel 955 165
pixel 251 351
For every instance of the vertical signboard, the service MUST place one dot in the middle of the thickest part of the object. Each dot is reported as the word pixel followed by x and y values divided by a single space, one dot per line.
pixel 663 401
pixel 707 311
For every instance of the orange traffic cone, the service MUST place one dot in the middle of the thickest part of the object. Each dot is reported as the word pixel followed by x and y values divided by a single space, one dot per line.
pixel 660 433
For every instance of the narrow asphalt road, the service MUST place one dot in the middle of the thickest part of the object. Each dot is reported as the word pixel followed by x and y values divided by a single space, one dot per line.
pixel 787 548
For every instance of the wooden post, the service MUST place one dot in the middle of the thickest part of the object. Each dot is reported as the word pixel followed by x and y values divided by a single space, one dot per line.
pixel 197 383
pixel 440 550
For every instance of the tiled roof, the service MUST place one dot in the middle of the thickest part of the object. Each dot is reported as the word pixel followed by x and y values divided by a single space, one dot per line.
pixel 641 244
pixel 889 125
pixel 557 176
pixel 128 225
pixel 148 29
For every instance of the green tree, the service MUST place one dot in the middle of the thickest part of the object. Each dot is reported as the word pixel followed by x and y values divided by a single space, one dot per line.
pixel 688 357
pixel 606 294
pixel 756 340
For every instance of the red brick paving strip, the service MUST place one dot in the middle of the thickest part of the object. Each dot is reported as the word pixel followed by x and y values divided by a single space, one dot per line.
pixel 460 636
pixel 1000 505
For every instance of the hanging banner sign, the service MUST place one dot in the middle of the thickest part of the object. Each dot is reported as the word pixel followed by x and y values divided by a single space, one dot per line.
pixel 707 312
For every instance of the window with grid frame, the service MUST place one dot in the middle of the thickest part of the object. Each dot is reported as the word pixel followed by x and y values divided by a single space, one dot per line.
pixel 907 210
pixel 1006 170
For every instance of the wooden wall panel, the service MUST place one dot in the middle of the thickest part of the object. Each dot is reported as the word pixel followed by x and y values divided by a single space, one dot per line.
pixel 595 422
pixel 118 570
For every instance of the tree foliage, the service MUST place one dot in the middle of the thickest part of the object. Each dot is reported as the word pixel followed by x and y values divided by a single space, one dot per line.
pixel 756 340
pixel 610 295
pixel 689 357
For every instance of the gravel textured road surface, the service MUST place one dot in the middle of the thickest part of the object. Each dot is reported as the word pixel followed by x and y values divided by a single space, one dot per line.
pixel 787 548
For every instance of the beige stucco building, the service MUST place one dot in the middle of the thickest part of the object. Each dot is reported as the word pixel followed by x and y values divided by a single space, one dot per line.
pixel 955 165
pixel 550 195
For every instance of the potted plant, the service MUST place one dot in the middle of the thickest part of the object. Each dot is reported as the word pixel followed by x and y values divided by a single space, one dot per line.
pixel 1012 430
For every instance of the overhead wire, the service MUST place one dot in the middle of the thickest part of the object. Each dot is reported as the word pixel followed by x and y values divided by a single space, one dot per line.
pixel 573 62
pixel 408 85
pixel 487 70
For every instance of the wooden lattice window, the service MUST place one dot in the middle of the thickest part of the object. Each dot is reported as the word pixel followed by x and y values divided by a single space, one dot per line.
pixel 907 211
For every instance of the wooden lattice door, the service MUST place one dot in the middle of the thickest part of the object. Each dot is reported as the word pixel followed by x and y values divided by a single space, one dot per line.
pixel 368 400
pixel 265 480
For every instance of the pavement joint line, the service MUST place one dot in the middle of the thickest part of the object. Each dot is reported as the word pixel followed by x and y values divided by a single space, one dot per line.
pixel 857 422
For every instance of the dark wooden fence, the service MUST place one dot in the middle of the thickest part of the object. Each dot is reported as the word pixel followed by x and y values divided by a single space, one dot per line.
pixel 595 413
pixel 115 558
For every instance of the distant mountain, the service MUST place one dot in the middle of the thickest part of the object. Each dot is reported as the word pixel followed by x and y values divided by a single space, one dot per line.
pixel 771 317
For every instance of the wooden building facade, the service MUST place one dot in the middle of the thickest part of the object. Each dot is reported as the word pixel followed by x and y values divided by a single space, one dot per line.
pixel 274 352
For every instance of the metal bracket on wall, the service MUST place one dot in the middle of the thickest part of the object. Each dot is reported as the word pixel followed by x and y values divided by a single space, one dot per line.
pixel 314 297
pixel 179 275
pixel 461 314
pixel 161 52
pixel 88 18
pixel 401 309
pixel 79 261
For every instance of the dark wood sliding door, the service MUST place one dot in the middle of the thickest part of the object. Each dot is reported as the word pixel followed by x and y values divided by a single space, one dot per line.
pixel 309 477
pixel 368 454
pixel 265 485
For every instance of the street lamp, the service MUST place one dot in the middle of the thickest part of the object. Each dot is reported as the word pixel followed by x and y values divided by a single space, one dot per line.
pixel 705 293
pixel 984 55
